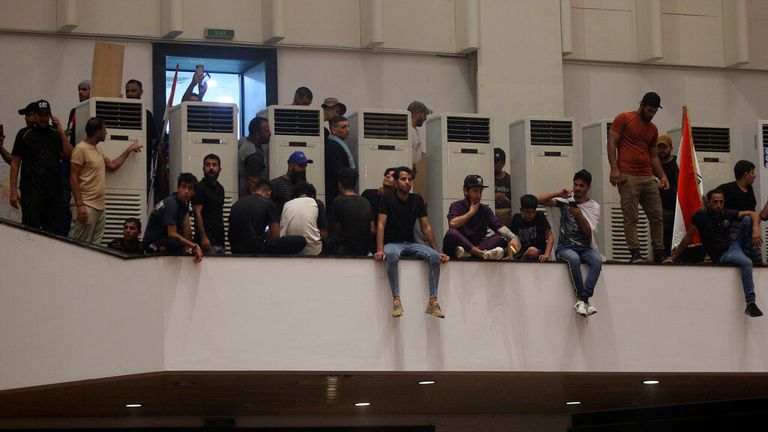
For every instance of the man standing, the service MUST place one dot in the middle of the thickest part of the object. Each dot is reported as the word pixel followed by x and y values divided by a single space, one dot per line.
pixel 502 187
pixel 87 179
pixel 83 94
pixel 208 205
pixel 29 119
pixel 337 156
pixel 282 187
pixel 36 154
pixel 251 159
pixel 168 229
pixel 668 196
pixel 469 221
pixel 352 224
pixel 419 113
pixel 134 90
pixel 332 108
pixel 398 212
pixel 577 217
pixel 713 225
pixel 254 226
pixel 302 97
pixel 305 216
pixel 634 160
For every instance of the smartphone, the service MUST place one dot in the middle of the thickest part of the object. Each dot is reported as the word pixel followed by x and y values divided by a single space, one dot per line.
pixel 573 204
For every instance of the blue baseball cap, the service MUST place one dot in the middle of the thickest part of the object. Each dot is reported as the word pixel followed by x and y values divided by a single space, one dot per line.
pixel 298 157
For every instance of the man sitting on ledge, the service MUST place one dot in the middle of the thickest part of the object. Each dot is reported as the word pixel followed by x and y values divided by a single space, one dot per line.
pixel 713 226
pixel 168 229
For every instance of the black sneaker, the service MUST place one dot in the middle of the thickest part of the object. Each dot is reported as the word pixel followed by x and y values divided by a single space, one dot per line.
pixel 659 256
pixel 752 310
pixel 636 258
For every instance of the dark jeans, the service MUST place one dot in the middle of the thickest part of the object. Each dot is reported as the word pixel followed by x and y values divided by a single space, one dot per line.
pixel 41 212
pixel 453 238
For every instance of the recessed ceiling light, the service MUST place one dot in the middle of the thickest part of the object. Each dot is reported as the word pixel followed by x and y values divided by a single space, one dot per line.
pixel 184 383
pixel 133 405
pixel 573 403
pixel 427 382
pixel 362 404
pixel 650 382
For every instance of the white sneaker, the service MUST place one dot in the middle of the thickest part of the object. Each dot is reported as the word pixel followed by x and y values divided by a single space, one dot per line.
pixel 461 253
pixel 496 253
pixel 581 308
pixel 591 310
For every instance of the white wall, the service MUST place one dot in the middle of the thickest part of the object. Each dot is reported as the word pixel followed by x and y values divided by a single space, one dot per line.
pixel 70 314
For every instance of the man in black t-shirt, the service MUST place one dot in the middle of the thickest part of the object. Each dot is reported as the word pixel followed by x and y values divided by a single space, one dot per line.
pixel 36 154
pixel 248 222
pixel 533 230
pixel 352 226
pixel 374 195
pixel 168 229
pixel 398 212
pixel 502 187
pixel 668 196
pixel 282 187
pixel 713 226
pixel 134 89
pixel 208 205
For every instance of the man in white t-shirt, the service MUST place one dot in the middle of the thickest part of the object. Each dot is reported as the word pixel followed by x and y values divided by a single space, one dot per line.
pixel 419 113
pixel 87 178
pixel 305 216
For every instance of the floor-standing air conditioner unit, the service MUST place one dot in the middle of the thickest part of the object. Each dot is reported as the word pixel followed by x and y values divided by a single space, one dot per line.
pixel 761 161
pixel 296 128
pixel 610 238
pixel 198 129
pixel 713 151
pixel 126 188
pixel 379 139
pixel 458 145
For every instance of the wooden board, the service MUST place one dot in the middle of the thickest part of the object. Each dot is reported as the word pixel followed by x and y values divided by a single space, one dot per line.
pixel 107 73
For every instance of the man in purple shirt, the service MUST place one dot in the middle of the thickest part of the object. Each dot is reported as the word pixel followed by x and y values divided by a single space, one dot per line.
pixel 468 222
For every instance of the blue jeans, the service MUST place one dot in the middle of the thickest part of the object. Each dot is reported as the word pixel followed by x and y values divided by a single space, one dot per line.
pixel 394 251
pixel 574 256
pixel 737 254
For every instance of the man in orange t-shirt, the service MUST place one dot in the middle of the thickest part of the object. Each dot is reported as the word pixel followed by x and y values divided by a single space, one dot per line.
pixel 634 161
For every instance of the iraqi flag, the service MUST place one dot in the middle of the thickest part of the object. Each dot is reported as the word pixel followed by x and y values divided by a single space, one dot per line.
pixel 689 186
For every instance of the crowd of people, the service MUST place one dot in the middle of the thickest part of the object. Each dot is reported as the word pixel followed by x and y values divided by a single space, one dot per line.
pixel 283 216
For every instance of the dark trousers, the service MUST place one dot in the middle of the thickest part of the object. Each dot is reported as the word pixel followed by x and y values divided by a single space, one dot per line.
pixel 41 212
pixel 288 245
pixel 453 238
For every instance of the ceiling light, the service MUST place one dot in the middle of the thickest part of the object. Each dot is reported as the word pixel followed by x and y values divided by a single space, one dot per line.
pixel 362 404
pixel 133 405
pixel 650 382
pixel 184 383
pixel 427 382
pixel 573 403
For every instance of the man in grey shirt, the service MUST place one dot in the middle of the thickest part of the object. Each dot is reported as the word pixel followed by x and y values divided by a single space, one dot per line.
pixel 251 158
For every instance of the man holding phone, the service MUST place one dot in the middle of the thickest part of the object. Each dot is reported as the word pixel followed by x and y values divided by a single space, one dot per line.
pixel 577 217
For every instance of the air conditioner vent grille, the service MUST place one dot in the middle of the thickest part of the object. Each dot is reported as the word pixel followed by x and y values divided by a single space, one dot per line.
pixel 618 240
pixel 119 207
pixel 297 122
pixel 552 132
pixel 210 118
pixel 711 139
pixel 385 126
pixel 120 115
pixel 469 130
pixel 765 135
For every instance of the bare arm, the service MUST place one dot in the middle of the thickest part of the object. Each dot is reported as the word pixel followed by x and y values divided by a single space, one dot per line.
pixel 3 152
pixel 381 223
pixel 657 169
pixel 205 243
pixel 764 212
pixel 459 221
pixel 683 244
pixel 15 165
pixel 187 229
pixel 583 222
pixel 188 93
pixel 114 165
pixel 757 239
pixel 252 183
pixel 65 144
pixel 548 199
pixel 274 230
pixel 612 145
pixel 74 183
pixel 426 228
pixel 550 243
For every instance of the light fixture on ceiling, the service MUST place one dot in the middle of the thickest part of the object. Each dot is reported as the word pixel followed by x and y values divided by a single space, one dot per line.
pixel 133 405
pixel 362 404
pixel 184 383
pixel 650 382
pixel 573 403
pixel 427 382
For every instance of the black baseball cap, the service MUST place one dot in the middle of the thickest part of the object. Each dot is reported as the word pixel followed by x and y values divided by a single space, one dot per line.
pixel 28 109
pixel 473 180
pixel 652 99
pixel 42 107
pixel 498 153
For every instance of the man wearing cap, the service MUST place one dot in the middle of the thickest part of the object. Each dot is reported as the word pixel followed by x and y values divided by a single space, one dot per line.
pixel 502 186
pixel 668 196
pixel 468 222
pixel 282 187
pixel 337 156
pixel 36 156
pixel 251 159
pixel 634 160
pixel 332 108
pixel 29 119
pixel 83 94
pixel 419 113
pixel 398 213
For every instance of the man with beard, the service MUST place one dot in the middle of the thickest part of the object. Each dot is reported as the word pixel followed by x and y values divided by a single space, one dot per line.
pixel 251 159
pixel 134 89
pixel 337 156
pixel 668 196
pixel 282 187
pixel 374 195
pixel 713 224
pixel 36 154
pixel 574 219
pixel 634 160
pixel 419 113
pixel 29 119
pixel 208 205
pixel 398 212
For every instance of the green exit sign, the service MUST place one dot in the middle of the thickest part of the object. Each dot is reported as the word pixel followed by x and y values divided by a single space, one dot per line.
pixel 219 33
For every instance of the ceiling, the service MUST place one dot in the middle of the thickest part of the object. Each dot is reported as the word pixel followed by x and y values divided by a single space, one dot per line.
pixel 276 393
